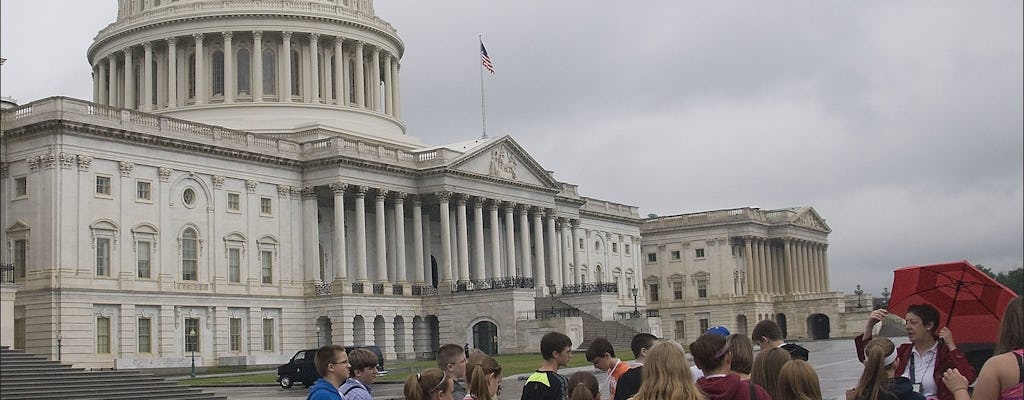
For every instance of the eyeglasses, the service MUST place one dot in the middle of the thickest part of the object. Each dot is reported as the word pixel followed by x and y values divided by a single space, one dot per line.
pixel 338 362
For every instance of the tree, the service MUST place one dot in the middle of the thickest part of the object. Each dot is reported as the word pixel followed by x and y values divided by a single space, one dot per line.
pixel 1013 279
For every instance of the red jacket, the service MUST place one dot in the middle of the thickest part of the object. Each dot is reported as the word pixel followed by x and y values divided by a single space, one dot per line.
pixel 944 359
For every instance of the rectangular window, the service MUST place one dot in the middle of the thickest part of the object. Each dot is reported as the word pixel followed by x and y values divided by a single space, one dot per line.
pixel 680 329
pixel 268 334
pixel 234 265
pixel 677 290
pixel 143 253
pixel 266 207
pixel 21 187
pixel 615 247
pixel 653 291
pixel 235 332
pixel 704 325
pixel 20 247
pixel 267 259
pixel 103 185
pixel 102 256
pixel 192 334
pixel 626 249
pixel 675 255
pixel 142 190
pixel 699 253
pixel 581 243
pixel 233 202
pixel 145 335
pixel 702 289
pixel 652 257
pixel 102 335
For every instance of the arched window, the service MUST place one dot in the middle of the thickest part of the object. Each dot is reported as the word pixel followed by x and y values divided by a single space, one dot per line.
pixel 189 255
pixel 269 72
pixel 296 74
pixel 244 59
pixel 192 75
pixel 217 65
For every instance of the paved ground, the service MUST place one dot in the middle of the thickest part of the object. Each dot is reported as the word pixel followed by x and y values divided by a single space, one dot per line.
pixel 834 360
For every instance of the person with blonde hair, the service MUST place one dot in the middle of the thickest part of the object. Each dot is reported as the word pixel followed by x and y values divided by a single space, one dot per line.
pixel 483 376
pixel 1002 376
pixel 666 375
pixel 799 381
pixel 431 384
pixel 583 386
pixel 767 366
pixel 742 350
pixel 878 381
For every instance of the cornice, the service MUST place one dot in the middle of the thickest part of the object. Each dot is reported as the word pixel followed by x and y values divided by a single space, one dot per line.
pixel 611 217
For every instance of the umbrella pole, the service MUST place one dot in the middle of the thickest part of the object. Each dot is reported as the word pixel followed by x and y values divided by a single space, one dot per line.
pixel 956 294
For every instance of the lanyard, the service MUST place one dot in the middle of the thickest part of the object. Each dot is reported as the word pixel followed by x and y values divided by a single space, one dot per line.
pixel 913 374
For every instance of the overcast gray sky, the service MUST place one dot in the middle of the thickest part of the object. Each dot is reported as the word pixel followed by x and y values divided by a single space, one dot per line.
pixel 899 122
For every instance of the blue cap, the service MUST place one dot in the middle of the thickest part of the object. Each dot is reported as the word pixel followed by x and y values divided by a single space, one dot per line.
pixel 719 330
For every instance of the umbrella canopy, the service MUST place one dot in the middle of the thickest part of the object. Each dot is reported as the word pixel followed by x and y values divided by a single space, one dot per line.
pixel 969 301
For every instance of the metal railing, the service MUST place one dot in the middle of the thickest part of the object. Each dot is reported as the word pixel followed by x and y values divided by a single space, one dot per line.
pixel 357 287
pixel 516 282
pixel 322 289
pixel 7 273
pixel 423 290
pixel 556 313
pixel 378 288
pixel 599 287
pixel 398 289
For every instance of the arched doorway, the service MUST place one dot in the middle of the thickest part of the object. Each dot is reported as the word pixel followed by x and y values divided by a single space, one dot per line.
pixel 741 324
pixel 323 331
pixel 485 337
pixel 818 326
pixel 780 319
pixel 433 272
pixel 358 331
pixel 434 333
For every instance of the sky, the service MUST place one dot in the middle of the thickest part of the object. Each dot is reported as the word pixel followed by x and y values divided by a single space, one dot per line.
pixel 901 123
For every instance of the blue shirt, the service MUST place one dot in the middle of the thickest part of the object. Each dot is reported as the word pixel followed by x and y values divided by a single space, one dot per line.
pixel 323 390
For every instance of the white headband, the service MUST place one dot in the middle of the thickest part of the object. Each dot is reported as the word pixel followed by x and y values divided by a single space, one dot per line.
pixel 891 357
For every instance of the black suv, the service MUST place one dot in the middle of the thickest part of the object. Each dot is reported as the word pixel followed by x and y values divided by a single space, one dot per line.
pixel 301 368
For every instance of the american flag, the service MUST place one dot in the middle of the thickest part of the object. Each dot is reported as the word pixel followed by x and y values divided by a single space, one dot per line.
pixel 485 60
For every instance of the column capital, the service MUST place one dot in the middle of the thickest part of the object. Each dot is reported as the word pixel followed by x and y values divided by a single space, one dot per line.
pixel 147 45
pixel 127 51
pixel 575 223
pixel 478 201
pixel 309 193
pixel 198 37
pixel 359 44
pixel 227 35
pixel 360 190
pixel 338 188
pixel 524 209
pixel 509 205
pixel 313 37
pixel 549 213
pixel 339 40
pixel 417 200
pixel 495 205
pixel 286 35
pixel 382 194
pixel 399 197
pixel 537 209
pixel 461 199
pixel 172 42
pixel 257 34
pixel 444 196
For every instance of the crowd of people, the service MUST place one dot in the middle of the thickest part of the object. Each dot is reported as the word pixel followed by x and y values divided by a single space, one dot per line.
pixel 930 366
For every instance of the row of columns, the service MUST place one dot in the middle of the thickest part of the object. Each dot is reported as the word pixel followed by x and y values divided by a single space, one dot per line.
pixel 376 77
pixel 794 267
pixel 545 241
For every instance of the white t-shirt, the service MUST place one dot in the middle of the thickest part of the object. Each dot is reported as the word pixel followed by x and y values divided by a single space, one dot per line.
pixel 924 369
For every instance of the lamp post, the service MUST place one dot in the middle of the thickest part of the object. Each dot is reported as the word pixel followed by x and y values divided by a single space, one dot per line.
pixel 551 291
pixel 60 338
pixel 192 334
pixel 885 297
pixel 318 336
pixel 635 291
pixel 859 293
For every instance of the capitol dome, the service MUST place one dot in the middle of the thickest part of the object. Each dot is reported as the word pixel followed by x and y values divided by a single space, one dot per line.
pixel 222 62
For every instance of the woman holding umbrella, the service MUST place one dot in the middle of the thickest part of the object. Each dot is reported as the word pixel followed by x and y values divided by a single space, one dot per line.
pixel 1002 377
pixel 928 354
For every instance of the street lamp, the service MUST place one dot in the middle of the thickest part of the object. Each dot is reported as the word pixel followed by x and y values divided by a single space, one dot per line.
pixel 859 293
pixel 551 291
pixel 60 338
pixel 318 336
pixel 885 297
pixel 192 335
pixel 636 312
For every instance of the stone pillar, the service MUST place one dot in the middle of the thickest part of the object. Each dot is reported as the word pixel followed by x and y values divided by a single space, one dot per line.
pixel 394 89
pixel 787 259
pixel 112 95
pixel 801 252
pixel 495 240
pixel 563 234
pixel 446 239
pixel 400 238
pixel 375 78
pixel 200 77
pixel 479 269
pixel 101 84
pixel 462 237
pixel 129 79
pixel 229 69
pixel 257 67
pixel 310 233
pixel 285 79
pixel 388 104
pixel 340 267
pixel 510 241
pixel 172 72
pixel 552 249
pixel 339 73
pixel 824 268
pixel 147 77
pixel 576 250
pixel 765 273
pixel 360 212
pixel 360 80
pixel 381 242
pixel 524 241
pixel 538 243
pixel 314 68
pixel 417 239
pixel 748 259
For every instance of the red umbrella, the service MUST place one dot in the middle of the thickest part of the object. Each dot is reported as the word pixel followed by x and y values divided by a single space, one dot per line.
pixel 969 301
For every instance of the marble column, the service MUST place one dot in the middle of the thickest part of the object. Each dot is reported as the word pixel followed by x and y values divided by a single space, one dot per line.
pixel 129 79
pixel 339 73
pixel 765 272
pixel 360 80
pixel 479 269
pixel 340 268
pixel 310 237
pixel 381 242
pixel 495 240
pixel 827 286
pixel 285 79
pixel 375 78
pixel 446 239
pixel 360 211
pixel 538 244
pixel 396 103
pixel 388 101
pixel 147 77
pixel 172 73
pixel 200 67
pixel 552 249
pixel 524 241
pixel 314 68
pixel 400 239
pixel 576 279
pixel 462 237
pixel 510 241
pixel 804 271
pixel 748 259
pixel 787 259
pixel 229 69
pixel 256 87
pixel 417 239
pixel 112 87
pixel 104 91
pixel 567 265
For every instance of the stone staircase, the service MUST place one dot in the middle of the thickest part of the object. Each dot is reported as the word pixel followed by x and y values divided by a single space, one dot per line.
pixel 26 376
pixel 616 332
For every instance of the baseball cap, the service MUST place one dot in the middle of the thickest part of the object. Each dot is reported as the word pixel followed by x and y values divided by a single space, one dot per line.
pixel 719 330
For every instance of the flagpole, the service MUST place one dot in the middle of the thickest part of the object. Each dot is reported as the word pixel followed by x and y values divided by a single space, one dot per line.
pixel 483 107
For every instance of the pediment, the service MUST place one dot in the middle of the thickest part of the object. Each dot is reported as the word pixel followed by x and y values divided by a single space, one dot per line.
pixel 808 218
pixel 503 159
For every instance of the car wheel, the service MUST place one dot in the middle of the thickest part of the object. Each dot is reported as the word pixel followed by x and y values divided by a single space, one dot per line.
pixel 286 382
